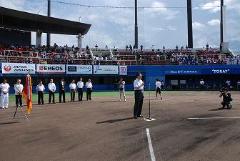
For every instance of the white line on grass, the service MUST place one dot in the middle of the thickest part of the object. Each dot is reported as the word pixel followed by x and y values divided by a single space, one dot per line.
pixel 150 145
pixel 212 118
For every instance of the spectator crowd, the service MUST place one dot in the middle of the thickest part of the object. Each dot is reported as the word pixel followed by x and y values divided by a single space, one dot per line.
pixel 106 56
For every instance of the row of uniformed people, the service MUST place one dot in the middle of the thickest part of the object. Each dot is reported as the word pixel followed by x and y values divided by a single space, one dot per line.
pixel 73 89
pixel 18 88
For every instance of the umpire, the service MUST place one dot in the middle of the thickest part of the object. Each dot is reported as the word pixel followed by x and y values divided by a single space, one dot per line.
pixel 138 93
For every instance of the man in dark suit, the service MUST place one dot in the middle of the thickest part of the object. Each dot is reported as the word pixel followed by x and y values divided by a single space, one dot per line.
pixel 62 91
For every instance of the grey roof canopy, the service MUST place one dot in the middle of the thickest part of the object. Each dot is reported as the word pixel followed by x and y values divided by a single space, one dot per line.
pixel 14 19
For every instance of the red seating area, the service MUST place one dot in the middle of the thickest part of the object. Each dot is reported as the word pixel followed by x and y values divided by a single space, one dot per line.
pixel 117 57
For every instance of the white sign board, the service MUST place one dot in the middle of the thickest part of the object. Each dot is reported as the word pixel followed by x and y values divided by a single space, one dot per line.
pixel 51 68
pixel 18 68
pixel 122 70
pixel 105 69
pixel 79 69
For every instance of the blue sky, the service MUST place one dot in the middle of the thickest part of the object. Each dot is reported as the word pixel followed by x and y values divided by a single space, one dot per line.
pixel 157 26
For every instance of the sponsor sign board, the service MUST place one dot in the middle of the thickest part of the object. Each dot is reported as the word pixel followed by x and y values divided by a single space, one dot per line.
pixel 79 69
pixel 123 70
pixel 18 68
pixel 105 69
pixel 51 68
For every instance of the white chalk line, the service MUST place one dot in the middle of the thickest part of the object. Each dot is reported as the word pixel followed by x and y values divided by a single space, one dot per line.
pixel 150 145
pixel 212 118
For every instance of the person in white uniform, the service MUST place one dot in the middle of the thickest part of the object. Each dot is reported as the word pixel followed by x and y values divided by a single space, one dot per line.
pixel 52 90
pixel 122 89
pixel 18 87
pixel 73 88
pixel 4 94
pixel 40 90
pixel 80 86
pixel 89 87
pixel 158 88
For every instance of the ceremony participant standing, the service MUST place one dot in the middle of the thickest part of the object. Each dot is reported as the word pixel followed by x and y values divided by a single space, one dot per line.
pixel 26 92
pixel 40 90
pixel 62 91
pixel 89 87
pixel 18 87
pixel 73 88
pixel 80 86
pixel 5 93
pixel 122 89
pixel 138 93
pixel 52 90
pixel 158 88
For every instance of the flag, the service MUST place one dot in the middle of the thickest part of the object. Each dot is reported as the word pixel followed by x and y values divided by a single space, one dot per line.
pixel 27 93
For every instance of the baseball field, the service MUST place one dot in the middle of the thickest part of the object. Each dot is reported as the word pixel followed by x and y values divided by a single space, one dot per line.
pixel 188 127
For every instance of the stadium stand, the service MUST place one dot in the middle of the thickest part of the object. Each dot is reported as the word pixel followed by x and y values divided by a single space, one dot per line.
pixel 95 56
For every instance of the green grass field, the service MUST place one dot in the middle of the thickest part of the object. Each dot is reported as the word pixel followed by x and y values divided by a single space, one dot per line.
pixel 94 94
pixel 98 94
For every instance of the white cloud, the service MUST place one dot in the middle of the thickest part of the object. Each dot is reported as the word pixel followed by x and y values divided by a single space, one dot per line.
pixel 214 22
pixel 167 28
pixel 198 26
pixel 213 6
pixel 92 17
pixel 12 4
pixel 233 5
pixel 159 8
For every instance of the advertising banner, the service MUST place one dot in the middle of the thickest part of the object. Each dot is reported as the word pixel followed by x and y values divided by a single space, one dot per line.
pixel 79 69
pixel 123 70
pixel 183 72
pixel 18 68
pixel 105 69
pixel 51 68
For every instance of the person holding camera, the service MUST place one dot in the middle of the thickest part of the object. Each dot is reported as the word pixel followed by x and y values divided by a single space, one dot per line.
pixel 227 98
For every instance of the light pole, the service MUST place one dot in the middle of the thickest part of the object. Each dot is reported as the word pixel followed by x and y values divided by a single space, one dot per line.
pixel 189 20
pixel 136 26
pixel 221 26
pixel 49 14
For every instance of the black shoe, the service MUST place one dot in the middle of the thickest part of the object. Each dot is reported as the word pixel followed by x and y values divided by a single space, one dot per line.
pixel 140 116
pixel 135 117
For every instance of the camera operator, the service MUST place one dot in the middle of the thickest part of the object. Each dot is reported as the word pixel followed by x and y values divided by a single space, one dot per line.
pixel 227 98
